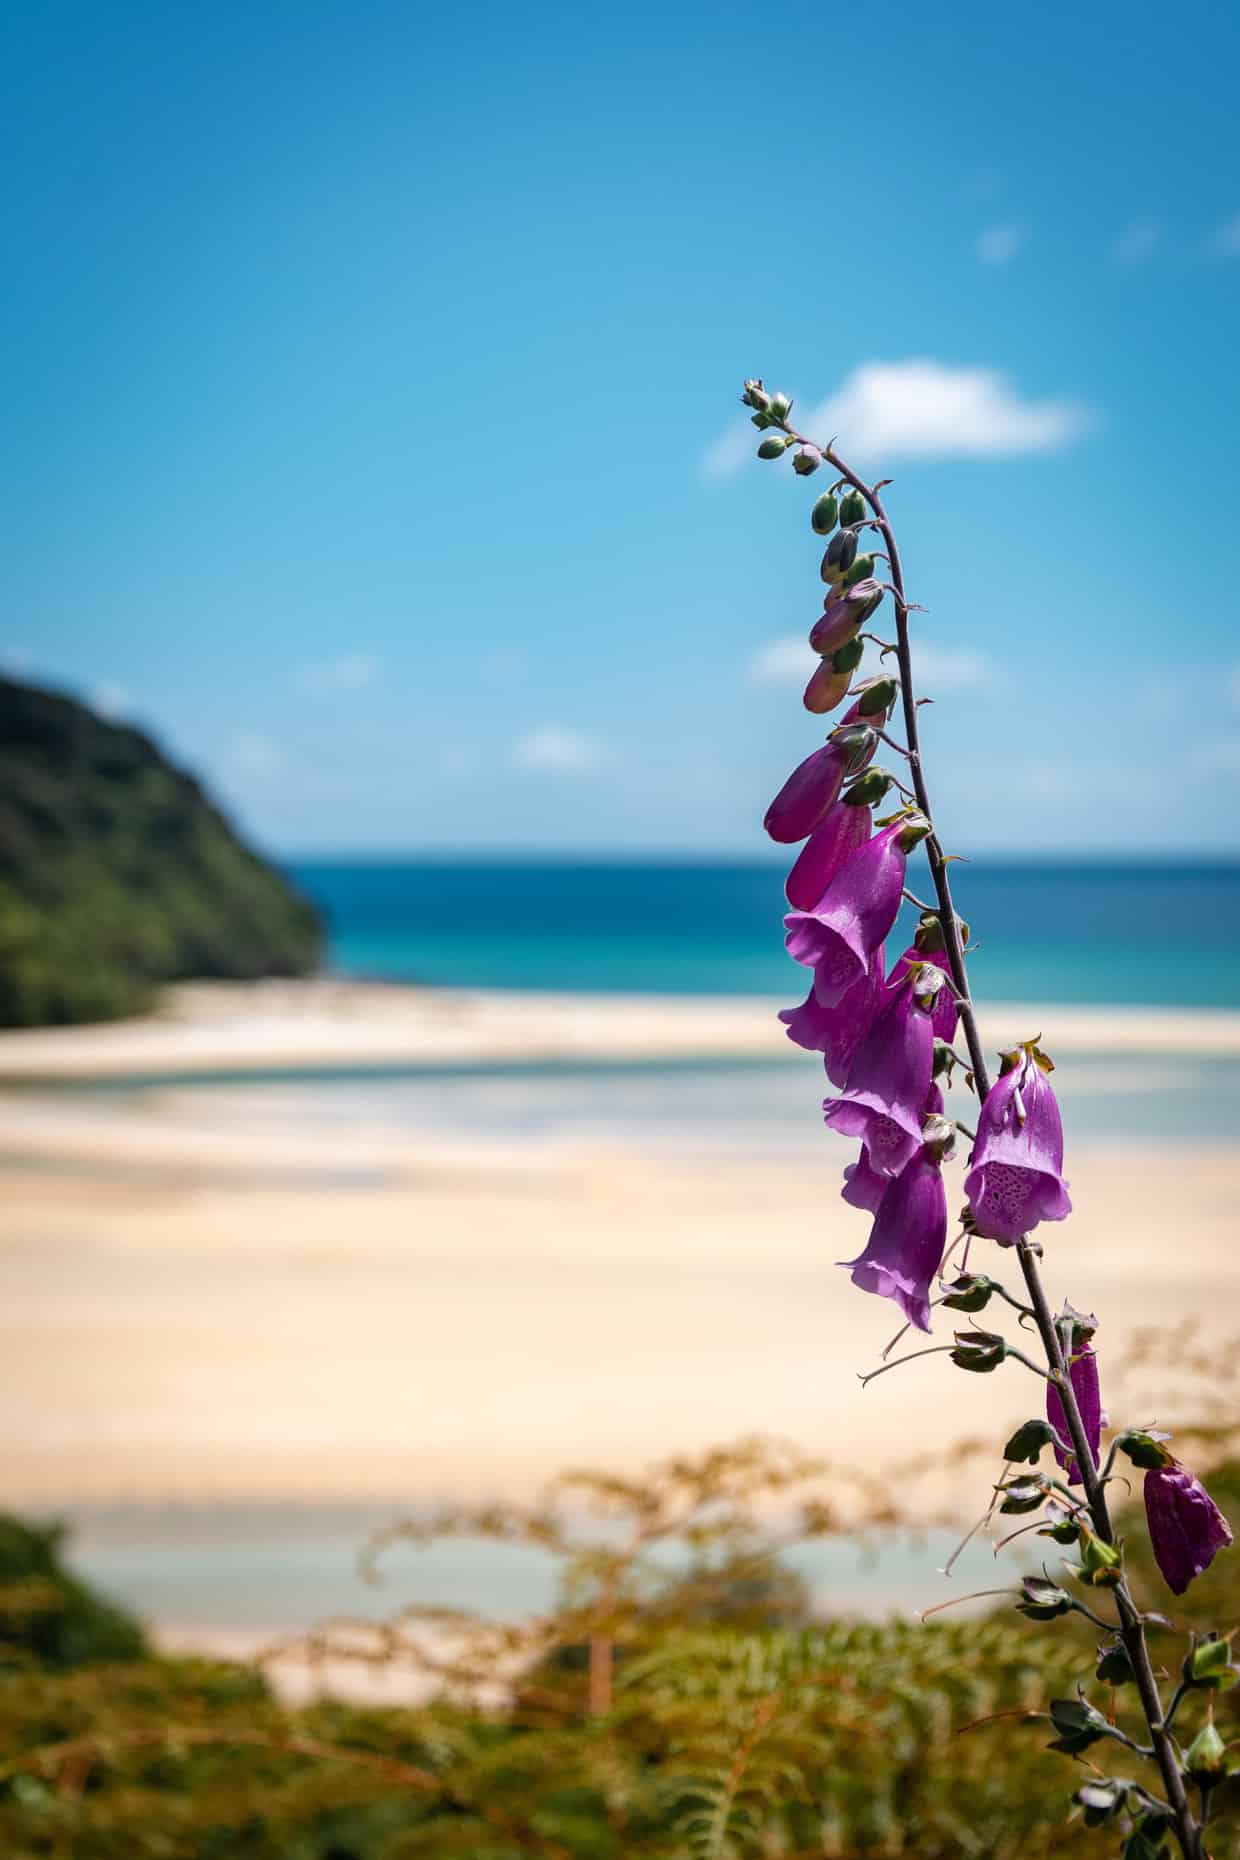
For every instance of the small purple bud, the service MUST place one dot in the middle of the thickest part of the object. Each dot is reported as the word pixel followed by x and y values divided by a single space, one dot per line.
pixel 807 460
pixel 814 785
pixel 1186 1527
pixel 844 612
pixel 1015 1178
pixel 841 553
pixel 827 687
pixel 1083 1374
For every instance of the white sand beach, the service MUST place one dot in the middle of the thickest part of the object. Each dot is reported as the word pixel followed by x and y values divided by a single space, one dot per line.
pixel 218 1294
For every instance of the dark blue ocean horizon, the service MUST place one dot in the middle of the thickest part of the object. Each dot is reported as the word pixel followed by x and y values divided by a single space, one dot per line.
pixel 1060 930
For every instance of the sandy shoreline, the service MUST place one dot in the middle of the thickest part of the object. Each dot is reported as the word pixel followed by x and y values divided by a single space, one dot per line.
pixel 209 1028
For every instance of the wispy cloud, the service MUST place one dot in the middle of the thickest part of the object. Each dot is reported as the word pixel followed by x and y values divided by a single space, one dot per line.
pixel 922 409
pixel 1221 758
pixel 552 746
pixel 350 672
pixel 1137 243
pixel 256 755
pixel 785 661
pixel 1226 241
pixel 16 660
pixel 998 245
pixel 950 668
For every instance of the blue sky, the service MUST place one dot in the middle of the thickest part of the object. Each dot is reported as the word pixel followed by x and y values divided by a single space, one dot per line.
pixel 371 382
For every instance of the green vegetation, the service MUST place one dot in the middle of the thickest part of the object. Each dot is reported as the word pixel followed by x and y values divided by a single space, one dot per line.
pixel 669 1709
pixel 117 873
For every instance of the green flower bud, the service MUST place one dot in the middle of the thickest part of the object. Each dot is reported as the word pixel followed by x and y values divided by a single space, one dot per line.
pixel 929 936
pixel 847 658
pixel 1208 1663
pixel 840 556
pixel 825 515
pixel 1102 1565
pixel 781 406
pixel 760 420
pixel 807 460
pixel 875 696
pixel 868 789
pixel 861 570
pixel 773 448
pixel 852 507
pixel 1206 1757
pixel 756 396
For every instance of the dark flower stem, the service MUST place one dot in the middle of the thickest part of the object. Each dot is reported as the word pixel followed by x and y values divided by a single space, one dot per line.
pixel 1131 1624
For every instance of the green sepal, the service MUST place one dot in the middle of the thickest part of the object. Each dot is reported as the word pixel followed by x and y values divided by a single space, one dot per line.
pixel 859 570
pixel 1044 1600
pixel 1114 1668
pixel 848 658
pixel 972 1291
pixel 979 1351
pixel 1143 1448
pixel 1028 1441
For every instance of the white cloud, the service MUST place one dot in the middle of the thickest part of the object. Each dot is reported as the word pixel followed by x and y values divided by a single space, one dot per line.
pixel 1137 243
pixel 554 747
pixel 1233 684
pixel 109 700
pixel 256 755
pixel 350 672
pixel 998 245
pixel 949 668
pixel 782 662
pixel 922 409
pixel 1227 238
pixel 16 660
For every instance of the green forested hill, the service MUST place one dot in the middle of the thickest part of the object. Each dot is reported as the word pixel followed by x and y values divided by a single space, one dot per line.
pixel 117 872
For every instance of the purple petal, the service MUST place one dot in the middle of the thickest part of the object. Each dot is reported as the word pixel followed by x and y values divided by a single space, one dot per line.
pixel 906 1241
pixel 841 831
pixel 1186 1527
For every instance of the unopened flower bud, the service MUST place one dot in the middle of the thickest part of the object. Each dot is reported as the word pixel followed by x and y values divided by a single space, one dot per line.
pixel 756 396
pixel 807 460
pixel 827 688
pixel 825 515
pixel 868 789
pixel 944 1059
pixel 875 696
pixel 852 507
pixel 761 421
pixel 1206 1758
pixel 773 448
pixel 1208 1663
pixel 840 555
pixel 862 569
pixel 781 406
pixel 1102 1565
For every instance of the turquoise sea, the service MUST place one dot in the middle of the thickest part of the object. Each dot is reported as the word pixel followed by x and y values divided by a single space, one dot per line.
pixel 1079 932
